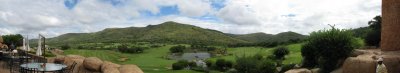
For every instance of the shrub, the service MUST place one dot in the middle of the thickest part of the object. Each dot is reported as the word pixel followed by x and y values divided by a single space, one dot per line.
pixel 65 47
pixel 209 63
pixel 280 52
pixel 125 49
pixel 253 65
pixel 177 49
pixel 220 63
pixel 192 64
pixel 223 64
pixel 180 65
pixel 177 66
pixel 328 47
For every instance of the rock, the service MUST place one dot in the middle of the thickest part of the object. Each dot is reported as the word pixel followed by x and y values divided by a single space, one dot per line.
pixel 359 65
pixel 58 51
pixel 92 64
pixel 78 66
pixel 59 59
pixel 315 70
pixel 111 70
pixel 392 63
pixel 302 70
pixel 130 69
pixel 107 65
pixel 355 53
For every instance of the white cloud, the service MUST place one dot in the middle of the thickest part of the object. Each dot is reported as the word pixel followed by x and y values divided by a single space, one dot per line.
pixel 52 18
pixel 307 15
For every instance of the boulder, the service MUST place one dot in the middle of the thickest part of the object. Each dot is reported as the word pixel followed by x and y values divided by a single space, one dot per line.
pixel 111 70
pixel 359 65
pixel 130 69
pixel 302 70
pixel 59 59
pixel 92 64
pixel 58 51
pixel 355 53
pixel 78 66
pixel 315 70
pixel 107 65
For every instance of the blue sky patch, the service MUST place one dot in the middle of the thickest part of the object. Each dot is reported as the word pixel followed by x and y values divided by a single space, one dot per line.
pixel 70 4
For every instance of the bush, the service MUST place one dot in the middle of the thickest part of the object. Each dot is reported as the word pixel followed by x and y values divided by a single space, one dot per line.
pixel 125 49
pixel 253 65
pixel 177 66
pixel 177 49
pixel 223 64
pixel 192 64
pixel 280 52
pixel 180 65
pixel 65 47
pixel 328 47
pixel 209 63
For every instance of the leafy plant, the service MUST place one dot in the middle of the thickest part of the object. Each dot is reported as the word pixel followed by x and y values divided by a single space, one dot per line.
pixel 328 47
pixel 177 49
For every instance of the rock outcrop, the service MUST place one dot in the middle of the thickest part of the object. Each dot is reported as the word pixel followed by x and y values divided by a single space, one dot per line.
pixel 130 69
pixel 92 64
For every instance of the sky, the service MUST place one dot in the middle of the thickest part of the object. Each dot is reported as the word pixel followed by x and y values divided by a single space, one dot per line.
pixel 52 18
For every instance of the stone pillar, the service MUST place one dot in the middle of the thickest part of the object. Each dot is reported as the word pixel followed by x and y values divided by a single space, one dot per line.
pixel 390 37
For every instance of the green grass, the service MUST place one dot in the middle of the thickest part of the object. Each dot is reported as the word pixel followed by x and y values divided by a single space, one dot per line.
pixel 293 57
pixel 152 61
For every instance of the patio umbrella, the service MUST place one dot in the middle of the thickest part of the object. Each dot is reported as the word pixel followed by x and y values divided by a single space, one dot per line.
pixel 39 49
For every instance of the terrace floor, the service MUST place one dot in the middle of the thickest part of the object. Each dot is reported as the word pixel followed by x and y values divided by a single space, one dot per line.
pixel 3 67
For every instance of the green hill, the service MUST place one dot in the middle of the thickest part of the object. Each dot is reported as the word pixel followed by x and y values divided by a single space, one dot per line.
pixel 167 32
pixel 263 37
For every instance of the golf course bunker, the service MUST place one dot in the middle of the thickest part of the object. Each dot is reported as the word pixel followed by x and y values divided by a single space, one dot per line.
pixel 193 56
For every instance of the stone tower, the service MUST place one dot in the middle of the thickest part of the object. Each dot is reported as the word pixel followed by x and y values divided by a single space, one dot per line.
pixel 390 37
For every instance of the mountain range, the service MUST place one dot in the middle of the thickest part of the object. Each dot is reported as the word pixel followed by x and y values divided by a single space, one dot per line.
pixel 169 32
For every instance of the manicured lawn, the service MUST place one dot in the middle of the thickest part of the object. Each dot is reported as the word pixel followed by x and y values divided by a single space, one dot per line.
pixel 152 61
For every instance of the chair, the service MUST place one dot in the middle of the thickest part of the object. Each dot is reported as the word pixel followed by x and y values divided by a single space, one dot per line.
pixel 32 70
pixel 69 69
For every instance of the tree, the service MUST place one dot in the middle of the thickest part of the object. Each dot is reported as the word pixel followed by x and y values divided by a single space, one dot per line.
pixel 280 52
pixel 15 39
pixel 329 46
pixel 177 49
pixel 373 37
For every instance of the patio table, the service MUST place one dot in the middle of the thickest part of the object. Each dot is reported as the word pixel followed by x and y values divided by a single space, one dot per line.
pixel 50 67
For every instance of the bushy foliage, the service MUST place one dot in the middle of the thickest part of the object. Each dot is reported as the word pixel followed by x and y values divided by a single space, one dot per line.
pixel 252 64
pixel 65 47
pixel 180 65
pixel 223 64
pixel 177 66
pixel 177 49
pixel 280 52
pixel 15 39
pixel 209 63
pixel 373 38
pixel 328 47
pixel 135 49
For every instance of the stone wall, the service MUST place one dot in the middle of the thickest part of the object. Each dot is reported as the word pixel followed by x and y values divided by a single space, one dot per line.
pixel 390 37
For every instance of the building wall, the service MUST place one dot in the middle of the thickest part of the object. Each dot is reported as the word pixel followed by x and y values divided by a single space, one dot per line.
pixel 390 38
